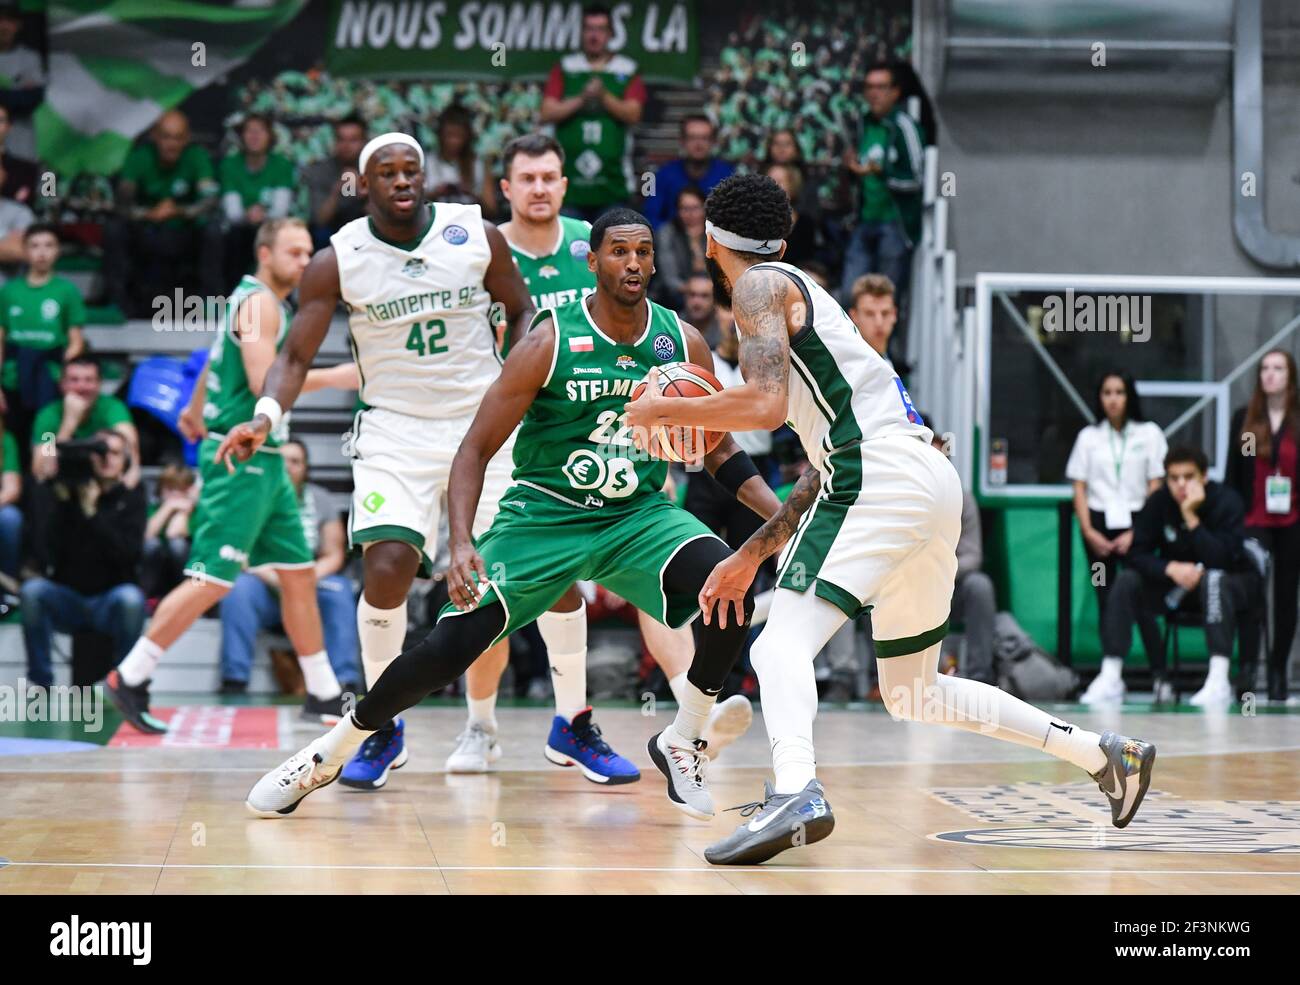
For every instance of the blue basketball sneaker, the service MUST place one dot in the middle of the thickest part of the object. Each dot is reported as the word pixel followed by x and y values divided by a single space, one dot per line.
pixel 579 743
pixel 384 751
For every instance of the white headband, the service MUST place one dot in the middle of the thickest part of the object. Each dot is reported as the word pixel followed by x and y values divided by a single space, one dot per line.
pixel 739 243
pixel 383 140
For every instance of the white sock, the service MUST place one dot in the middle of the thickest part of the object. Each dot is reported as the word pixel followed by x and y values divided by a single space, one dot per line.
pixel 319 677
pixel 565 636
pixel 693 707
pixel 1112 669
pixel 483 711
pixel 675 684
pixel 1218 673
pixel 138 665
pixel 913 689
pixel 345 738
pixel 382 632
pixel 782 656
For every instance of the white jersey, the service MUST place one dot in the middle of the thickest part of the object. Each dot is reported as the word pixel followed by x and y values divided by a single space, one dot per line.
pixel 418 314
pixel 842 392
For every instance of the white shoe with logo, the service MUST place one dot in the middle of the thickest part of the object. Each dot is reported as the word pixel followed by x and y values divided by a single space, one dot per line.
pixel 1104 691
pixel 279 792
pixel 1215 693
pixel 683 764
pixel 477 749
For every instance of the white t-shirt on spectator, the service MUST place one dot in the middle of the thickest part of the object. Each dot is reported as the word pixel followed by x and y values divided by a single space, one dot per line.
pixel 751 442
pixel 1117 466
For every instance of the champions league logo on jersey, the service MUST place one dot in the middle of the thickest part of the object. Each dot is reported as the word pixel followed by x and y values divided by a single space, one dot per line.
pixel 1074 815
pixel 413 267
pixel 664 346
pixel 455 235
pixel 579 249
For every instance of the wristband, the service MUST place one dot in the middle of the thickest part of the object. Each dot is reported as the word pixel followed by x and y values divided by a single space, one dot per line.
pixel 270 408
pixel 735 472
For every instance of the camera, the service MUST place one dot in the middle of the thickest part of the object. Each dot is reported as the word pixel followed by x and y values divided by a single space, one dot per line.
pixel 75 463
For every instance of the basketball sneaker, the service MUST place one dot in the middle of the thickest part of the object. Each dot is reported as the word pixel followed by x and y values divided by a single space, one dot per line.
pixel 1104 691
pixel 777 822
pixel 683 764
pixel 1214 693
pixel 727 722
pixel 476 750
pixel 579 743
pixel 133 703
pixel 1127 774
pixel 321 711
pixel 279 792
pixel 381 753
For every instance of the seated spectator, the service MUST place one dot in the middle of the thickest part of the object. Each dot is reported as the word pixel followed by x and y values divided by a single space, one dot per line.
pixel 888 160
pixel 872 310
pixel 17 174
pixel 79 413
pixel 254 605
pixel 1187 555
pixel 453 172
pixel 167 534
pixel 679 249
pixel 41 321
pixel 88 538
pixel 11 517
pixel 801 241
pixel 256 184
pixel 974 602
pixel 166 196
pixel 783 148
pixel 698 167
pixel 333 196
pixel 701 309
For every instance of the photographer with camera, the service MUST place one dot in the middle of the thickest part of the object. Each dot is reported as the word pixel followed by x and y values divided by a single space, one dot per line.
pixel 88 539
pixel 78 414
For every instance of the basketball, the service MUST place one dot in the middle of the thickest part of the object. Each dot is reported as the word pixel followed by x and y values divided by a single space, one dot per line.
pixel 676 443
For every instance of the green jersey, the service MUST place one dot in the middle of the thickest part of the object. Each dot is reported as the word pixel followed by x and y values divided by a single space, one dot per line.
pixel 561 276
pixel 105 413
pixel 186 182
pixel 573 443
pixel 230 400
pixel 597 156
pixel 262 187
pixel 38 318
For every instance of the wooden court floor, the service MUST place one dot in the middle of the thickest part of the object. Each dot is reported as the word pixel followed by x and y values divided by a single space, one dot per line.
pixel 919 809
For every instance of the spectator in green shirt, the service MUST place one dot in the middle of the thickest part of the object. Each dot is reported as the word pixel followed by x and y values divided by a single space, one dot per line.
pixel 80 413
pixel 41 318
pixel 593 96
pixel 11 518
pixel 166 195
pixel 256 184
pixel 889 163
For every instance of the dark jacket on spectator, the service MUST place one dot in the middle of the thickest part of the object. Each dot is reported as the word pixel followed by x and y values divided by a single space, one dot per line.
pixel 1161 536
pixel 89 554
pixel 1240 472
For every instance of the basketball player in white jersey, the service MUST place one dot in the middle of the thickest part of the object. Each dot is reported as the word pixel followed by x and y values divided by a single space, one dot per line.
pixel 418 281
pixel 881 515
pixel 551 252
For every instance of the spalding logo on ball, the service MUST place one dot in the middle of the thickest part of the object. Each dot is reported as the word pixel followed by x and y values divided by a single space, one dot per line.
pixel 678 443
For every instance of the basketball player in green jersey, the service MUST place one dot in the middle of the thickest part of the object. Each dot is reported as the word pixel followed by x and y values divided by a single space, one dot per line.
pixel 585 505
pixel 551 252
pixel 249 518
pixel 873 524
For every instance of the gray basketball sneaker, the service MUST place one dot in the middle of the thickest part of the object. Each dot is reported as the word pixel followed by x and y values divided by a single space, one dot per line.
pixel 1125 778
pixel 779 822
pixel 683 764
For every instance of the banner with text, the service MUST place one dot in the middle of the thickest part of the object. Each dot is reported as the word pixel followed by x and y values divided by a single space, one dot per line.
pixel 495 39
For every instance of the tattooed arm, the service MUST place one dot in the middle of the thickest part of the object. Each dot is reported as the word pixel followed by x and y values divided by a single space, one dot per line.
pixel 731 578
pixel 760 300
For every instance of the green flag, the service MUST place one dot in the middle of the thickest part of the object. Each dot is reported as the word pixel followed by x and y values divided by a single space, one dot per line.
pixel 115 67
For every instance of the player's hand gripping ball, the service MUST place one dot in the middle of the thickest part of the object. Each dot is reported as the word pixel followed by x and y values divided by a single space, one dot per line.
pixel 679 443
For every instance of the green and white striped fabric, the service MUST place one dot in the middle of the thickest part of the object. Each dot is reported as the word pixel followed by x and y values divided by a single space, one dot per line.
pixel 115 67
